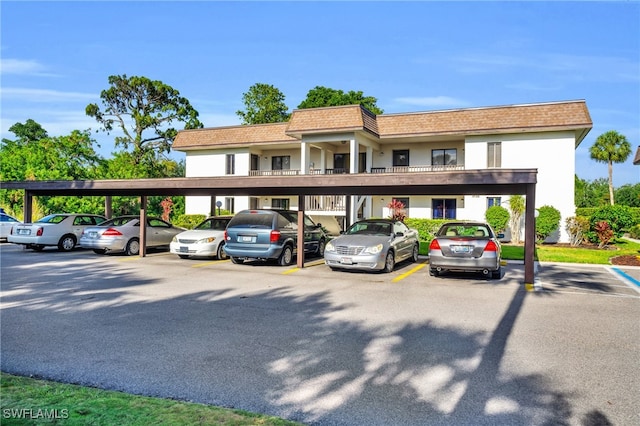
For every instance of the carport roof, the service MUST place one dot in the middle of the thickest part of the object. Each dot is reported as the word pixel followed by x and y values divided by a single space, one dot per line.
pixel 471 182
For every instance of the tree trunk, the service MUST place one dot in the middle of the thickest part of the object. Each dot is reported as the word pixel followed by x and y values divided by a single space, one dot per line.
pixel 611 182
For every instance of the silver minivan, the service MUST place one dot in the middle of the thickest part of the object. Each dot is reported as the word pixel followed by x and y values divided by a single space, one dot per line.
pixel 261 234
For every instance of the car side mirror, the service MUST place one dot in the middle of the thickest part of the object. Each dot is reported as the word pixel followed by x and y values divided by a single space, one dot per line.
pixel 399 234
pixel 318 225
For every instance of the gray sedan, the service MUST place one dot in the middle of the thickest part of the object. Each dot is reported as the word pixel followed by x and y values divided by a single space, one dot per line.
pixel 466 247
pixel 122 234
pixel 373 244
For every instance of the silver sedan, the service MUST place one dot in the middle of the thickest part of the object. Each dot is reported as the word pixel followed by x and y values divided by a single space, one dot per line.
pixel 122 234
pixel 373 244
pixel 466 247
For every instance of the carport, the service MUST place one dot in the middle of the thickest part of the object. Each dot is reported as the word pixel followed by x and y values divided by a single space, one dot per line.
pixel 466 182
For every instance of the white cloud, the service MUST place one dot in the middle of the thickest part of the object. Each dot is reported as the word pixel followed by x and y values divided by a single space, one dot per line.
pixel 44 95
pixel 23 67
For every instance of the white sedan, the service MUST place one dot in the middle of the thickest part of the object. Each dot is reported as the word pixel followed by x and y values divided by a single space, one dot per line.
pixel 205 240
pixel 61 230
pixel 6 223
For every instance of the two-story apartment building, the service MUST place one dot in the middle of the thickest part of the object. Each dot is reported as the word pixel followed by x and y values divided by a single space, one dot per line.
pixel 349 139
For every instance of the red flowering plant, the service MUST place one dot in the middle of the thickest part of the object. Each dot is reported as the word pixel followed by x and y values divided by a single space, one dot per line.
pixel 397 211
pixel 166 208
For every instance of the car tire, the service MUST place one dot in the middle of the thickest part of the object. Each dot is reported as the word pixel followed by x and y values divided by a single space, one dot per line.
pixel 415 253
pixel 496 275
pixel 389 262
pixel 67 242
pixel 433 272
pixel 286 257
pixel 237 260
pixel 220 253
pixel 99 251
pixel 133 247
pixel 321 246
pixel 183 256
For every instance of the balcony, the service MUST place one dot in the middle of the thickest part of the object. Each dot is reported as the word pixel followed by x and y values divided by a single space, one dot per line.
pixel 376 170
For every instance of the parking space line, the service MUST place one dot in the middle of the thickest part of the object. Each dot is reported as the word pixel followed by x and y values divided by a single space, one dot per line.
pixel 306 265
pixel 628 279
pixel 411 271
pixel 212 262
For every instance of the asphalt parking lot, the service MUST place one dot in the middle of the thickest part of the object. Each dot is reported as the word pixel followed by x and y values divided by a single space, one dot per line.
pixel 331 348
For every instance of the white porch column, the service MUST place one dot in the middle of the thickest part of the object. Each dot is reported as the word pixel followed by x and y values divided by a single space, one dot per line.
pixel 353 156
pixel 353 214
pixel 305 156
pixel 369 164
pixel 323 161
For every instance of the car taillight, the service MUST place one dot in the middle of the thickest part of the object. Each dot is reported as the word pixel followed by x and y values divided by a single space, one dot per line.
pixel 491 246
pixel 274 237
pixel 39 232
pixel 435 245
pixel 111 233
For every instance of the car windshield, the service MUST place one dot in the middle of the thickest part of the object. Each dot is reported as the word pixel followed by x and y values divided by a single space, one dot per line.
pixel 52 218
pixel 118 221
pixel 213 224
pixel 370 228
pixel 464 230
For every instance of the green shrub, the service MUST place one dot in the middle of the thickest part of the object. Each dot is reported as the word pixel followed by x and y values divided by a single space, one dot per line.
pixel 189 221
pixel 577 227
pixel 619 218
pixel 547 222
pixel 634 232
pixel 426 227
pixel 497 217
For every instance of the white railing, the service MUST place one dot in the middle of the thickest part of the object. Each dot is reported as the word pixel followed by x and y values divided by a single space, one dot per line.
pixel 374 170
pixel 325 203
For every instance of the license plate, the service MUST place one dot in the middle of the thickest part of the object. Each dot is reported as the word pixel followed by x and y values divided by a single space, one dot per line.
pixel 461 249
pixel 346 261
pixel 93 235
pixel 24 231
pixel 184 249
pixel 246 239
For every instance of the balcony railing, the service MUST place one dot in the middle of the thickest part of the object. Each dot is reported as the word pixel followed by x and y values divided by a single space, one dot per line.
pixel 374 170
pixel 326 203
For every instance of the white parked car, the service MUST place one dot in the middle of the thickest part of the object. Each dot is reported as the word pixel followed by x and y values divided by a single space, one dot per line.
pixel 205 240
pixel 6 223
pixel 62 230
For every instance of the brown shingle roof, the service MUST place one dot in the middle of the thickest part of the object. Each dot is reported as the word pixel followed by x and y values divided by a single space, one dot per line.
pixel 233 136
pixel 636 159
pixel 569 115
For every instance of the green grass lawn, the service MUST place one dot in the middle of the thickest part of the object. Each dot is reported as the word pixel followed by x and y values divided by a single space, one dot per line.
pixel 26 401
pixel 552 253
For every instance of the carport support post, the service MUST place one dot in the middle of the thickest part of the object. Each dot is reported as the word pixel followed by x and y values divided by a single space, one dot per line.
pixel 108 206
pixel 143 226
pixel 530 236
pixel 300 248
pixel 27 207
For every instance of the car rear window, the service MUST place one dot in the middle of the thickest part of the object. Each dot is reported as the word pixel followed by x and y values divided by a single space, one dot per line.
pixel 118 221
pixel 464 230
pixel 252 220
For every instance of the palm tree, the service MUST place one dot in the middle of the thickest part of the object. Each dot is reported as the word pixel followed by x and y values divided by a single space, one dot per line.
pixel 610 147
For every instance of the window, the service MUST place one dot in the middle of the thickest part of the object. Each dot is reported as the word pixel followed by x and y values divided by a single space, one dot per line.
pixel 282 162
pixel 400 157
pixel 280 203
pixel 340 163
pixel 494 201
pixel 403 200
pixel 443 208
pixel 255 162
pixel 229 204
pixel 231 164
pixel 494 154
pixel 444 157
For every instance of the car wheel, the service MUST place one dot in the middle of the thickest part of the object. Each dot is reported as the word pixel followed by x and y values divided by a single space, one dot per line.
pixel 389 262
pixel 99 251
pixel 320 251
pixel 286 257
pixel 67 242
pixel 221 254
pixel 496 275
pixel 133 247
pixel 236 260
pixel 433 272
pixel 183 256
pixel 415 253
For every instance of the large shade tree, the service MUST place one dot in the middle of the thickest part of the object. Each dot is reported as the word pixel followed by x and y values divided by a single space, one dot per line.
pixel 264 103
pixel 145 111
pixel 610 147
pixel 321 96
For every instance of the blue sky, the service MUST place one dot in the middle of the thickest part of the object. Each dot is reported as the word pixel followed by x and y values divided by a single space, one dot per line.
pixel 56 58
